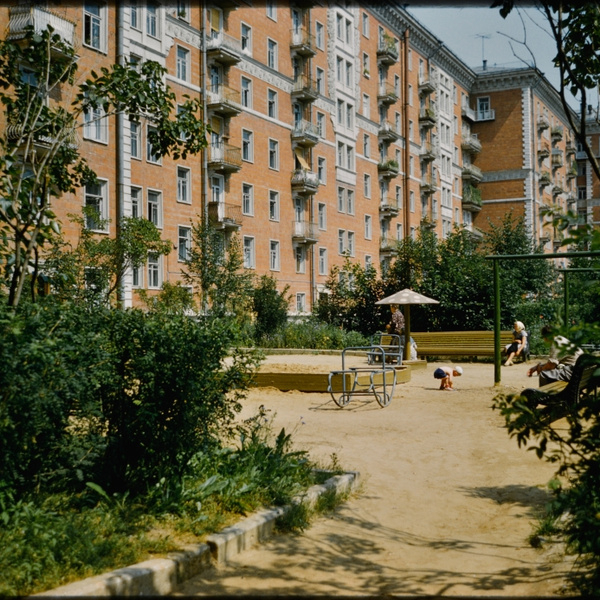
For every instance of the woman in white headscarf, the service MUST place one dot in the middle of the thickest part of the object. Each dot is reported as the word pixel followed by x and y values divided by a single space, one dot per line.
pixel 518 345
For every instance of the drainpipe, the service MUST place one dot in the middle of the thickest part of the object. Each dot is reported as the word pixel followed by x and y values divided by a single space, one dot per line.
pixel 204 151
pixel 406 218
pixel 120 151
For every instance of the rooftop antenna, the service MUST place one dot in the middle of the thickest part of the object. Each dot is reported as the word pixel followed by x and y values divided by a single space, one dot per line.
pixel 483 36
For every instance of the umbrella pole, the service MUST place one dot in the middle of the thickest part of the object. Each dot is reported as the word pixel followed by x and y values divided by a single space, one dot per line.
pixel 406 332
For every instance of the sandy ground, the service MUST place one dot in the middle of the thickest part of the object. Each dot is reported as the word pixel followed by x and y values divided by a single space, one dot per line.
pixel 446 504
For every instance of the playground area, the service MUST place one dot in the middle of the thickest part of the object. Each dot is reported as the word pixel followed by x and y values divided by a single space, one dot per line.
pixel 447 500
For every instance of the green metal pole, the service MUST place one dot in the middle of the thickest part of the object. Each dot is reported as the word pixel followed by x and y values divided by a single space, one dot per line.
pixel 497 355
pixel 566 298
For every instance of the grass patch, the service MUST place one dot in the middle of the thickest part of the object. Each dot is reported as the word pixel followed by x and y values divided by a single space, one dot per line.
pixel 49 541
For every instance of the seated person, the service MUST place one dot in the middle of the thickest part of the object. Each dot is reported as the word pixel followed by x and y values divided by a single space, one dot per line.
pixel 519 345
pixel 559 366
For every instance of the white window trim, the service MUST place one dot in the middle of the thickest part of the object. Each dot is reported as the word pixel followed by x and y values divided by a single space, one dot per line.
pixel 103 213
pixel 188 187
pixel 102 42
pixel 277 215
pixel 160 273
pixel 277 265
pixel 250 158
pixel 148 155
pixel 186 63
pixel 274 167
pixel 188 239
pixel 250 211
pixel 159 219
pixel 139 197
pixel 98 122
pixel 251 262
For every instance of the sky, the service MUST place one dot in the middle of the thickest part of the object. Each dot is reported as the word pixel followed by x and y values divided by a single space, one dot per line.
pixel 477 33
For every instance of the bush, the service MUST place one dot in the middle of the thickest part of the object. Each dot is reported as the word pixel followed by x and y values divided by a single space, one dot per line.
pixel 270 307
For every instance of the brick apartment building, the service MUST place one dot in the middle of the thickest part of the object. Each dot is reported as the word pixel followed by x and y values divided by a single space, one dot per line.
pixel 337 130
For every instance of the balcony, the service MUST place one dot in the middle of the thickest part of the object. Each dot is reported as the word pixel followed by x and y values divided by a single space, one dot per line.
pixel 543 152
pixel 223 100
pixel 471 199
pixel 305 133
pixel 387 132
pixel 304 182
pixel 389 207
pixel 223 48
pixel 428 83
pixel 488 114
pixel 427 185
pixel 570 148
pixel 557 158
pixel 470 143
pixel 22 17
pixel 543 122
pixel 223 215
pixel 468 113
pixel 472 173
pixel 557 190
pixel 387 51
pixel 41 141
pixel 572 172
pixel 427 116
pixel 305 232
pixel 302 42
pixel 556 134
pixel 388 245
pixel 545 178
pixel 429 151
pixel 304 89
pixel 386 94
pixel 388 168
pixel 224 158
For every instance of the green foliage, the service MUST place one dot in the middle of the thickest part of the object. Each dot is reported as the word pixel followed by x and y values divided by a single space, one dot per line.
pixel 172 298
pixel 270 307
pixel 39 156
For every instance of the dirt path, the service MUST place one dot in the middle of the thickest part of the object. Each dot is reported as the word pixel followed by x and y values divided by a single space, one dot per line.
pixel 445 508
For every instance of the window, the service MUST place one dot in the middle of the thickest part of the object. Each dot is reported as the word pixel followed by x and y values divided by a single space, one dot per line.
pixel 136 203
pixel 272 103
pixel 274 154
pixel 365 25
pixel 321 124
pixel 300 302
pixel 273 205
pixel 320 80
pixel 134 15
pixel 366 145
pixel 247 146
pixel 341 199
pixel 398 231
pixel 249 253
pixel 152 19
pixel 136 139
pixel 412 202
pixel 348 74
pixel 366 64
pixel 94 24
pixel 183 63
pixel 339 27
pixel 272 10
pixel 154 270
pixel 319 35
pixel 184 243
pixel 483 108
pixel 322 215
pixel 322 261
pixel 274 255
pixel 247 199
pixel 150 156
pixel 350 201
pixel 184 187
pixel 246 92
pixel 368 227
pixel 321 170
pixel 366 106
pixel 367 185
pixel 246 39
pixel 155 207
pixel 341 241
pixel 95 125
pixel 350 238
pixel 137 277
pixel 300 259
pixel 183 10
pixel 348 31
pixel 272 54
pixel 96 203
pixel 339 72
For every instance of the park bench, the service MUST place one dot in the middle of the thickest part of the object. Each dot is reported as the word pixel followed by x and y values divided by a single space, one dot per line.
pixel 390 344
pixel 459 343
pixel 378 382
pixel 560 396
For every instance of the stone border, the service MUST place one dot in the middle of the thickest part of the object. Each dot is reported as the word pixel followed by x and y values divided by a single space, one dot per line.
pixel 162 576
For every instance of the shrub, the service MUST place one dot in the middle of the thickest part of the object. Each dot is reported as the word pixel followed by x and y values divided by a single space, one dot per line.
pixel 270 307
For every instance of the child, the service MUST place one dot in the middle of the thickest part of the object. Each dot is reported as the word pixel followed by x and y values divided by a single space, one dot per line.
pixel 445 374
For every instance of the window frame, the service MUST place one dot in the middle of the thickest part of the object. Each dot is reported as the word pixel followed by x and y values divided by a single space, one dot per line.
pixel 246 91
pixel 248 146
pixel 274 255
pixel 103 209
pixel 101 25
pixel 183 63
pixel 247 199
pixel 187 242
pixel 154 269
pixel 274 206
pixel 272 54
pixel 273 151
pixel 158 210
pixel 188 185
pixel 249 251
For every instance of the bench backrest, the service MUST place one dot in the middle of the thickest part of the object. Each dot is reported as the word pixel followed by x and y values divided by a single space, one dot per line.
pixel 581 378
pixel 448 338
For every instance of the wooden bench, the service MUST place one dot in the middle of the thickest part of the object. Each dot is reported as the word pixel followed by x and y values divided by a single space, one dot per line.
pixel 459 343
pixel 561 396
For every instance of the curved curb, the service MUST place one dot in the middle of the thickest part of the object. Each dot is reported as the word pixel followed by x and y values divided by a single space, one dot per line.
pixel 162 576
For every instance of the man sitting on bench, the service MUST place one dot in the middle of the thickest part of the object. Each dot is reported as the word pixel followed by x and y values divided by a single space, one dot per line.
pixel 555 368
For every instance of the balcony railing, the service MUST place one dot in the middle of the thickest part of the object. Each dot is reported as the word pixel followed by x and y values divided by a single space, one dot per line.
pixel 388 168
pixel 305 133
pixel 471 143
pixel 545 178
pixel 486 115
pixel 429 151
pixel 543 122
pixel 224 215
pixel 388 132
pixel 467 112
pixel 21 17
pixel 224 100
pixel 543 152
pixel 389 206
pixel 471 198
pixel 304 88
pixel 428 82
pixel 386 93
pixel 387 50
pixel 471 172
pixel 388 245
pixel 305 181
pixel 302 42
pixel 305 231
pixel 557 158
pixel 427 116
pixel 428 184
pixel 557 134
pixel 224 48
pixel 224 157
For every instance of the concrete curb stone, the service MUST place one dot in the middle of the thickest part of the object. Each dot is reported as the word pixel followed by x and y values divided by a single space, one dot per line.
pixel 162 576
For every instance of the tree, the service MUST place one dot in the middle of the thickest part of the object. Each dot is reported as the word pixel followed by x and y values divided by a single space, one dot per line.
pixel 39 157
pixel 269 306
pixel 575 28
